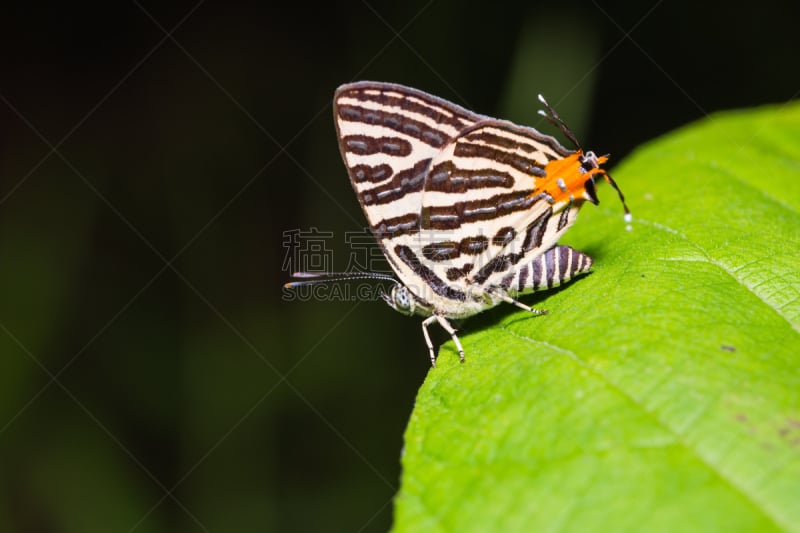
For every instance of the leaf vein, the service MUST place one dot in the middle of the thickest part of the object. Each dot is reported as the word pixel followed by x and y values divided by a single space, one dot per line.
pixel 732 272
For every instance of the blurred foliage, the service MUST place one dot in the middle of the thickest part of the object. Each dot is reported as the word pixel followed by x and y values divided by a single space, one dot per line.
pixel 151 159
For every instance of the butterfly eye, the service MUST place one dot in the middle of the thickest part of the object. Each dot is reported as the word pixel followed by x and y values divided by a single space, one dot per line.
pixel 588 162
pixel 401 300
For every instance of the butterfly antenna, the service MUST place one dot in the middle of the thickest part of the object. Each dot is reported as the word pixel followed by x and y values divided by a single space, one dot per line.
pixel 555 119
pixel 613 183
pixel 628 217
pixel 314 278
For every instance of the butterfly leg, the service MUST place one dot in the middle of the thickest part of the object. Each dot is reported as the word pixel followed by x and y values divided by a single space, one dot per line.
pixel 508 299
pixel 448 328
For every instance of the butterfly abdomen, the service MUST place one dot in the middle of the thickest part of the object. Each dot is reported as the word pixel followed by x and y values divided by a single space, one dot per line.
pixel 557 265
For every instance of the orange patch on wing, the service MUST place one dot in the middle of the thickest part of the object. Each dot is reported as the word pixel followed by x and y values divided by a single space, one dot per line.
pixel 573 179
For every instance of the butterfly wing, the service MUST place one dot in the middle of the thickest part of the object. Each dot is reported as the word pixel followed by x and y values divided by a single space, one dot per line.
pixel 493 203
pixel 388 135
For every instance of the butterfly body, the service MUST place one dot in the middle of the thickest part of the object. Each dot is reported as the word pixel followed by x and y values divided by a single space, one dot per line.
pixel 467 209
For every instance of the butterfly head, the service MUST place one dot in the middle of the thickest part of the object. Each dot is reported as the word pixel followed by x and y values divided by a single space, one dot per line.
pixel 591 165
pixel 589 169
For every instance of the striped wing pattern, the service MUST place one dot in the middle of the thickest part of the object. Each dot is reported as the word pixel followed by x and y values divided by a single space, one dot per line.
pixel 388 136
pixel 467 209
pixel 483 195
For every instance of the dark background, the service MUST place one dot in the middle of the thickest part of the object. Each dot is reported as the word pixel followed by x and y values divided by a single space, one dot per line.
pixel 151 158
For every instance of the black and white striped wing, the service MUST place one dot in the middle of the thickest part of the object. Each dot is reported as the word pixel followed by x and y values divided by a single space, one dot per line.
pixel 484 210
pixel 388 135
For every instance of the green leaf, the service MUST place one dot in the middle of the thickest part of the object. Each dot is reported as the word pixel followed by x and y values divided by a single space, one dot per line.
pixel 662 392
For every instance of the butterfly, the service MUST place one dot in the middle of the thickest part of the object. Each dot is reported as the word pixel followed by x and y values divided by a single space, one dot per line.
pixel 467 209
